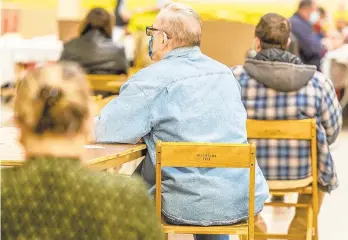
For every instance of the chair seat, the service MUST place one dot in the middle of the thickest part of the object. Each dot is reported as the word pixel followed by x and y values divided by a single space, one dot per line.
pixel 275 185
pixel 236 229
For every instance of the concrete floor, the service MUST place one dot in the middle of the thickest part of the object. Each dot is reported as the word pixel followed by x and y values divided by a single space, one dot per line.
pixel 333 222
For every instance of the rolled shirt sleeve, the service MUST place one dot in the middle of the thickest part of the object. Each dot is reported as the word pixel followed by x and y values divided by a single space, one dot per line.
pixel 331 112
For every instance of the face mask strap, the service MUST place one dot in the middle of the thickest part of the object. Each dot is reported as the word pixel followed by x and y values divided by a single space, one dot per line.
pixel 165 42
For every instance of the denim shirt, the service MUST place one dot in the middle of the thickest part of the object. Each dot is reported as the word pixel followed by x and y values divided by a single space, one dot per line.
pixel 187 97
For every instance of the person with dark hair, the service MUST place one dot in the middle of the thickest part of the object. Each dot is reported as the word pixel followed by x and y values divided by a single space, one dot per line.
pixel 94 49
pixel 121 21
pixel 311 50
pixel 276 85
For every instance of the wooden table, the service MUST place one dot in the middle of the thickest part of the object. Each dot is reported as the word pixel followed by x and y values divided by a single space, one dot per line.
pixel 96 156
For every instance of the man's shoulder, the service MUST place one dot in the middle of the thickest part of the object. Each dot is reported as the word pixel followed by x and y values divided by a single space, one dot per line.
pixel 72 43
pixel 322 82
pixel 8 179
pixel 161 74
pixel 298 24
pixel 295 19
pixel 151 79
pixel 118 190
pixel 151 71
pixel 239 72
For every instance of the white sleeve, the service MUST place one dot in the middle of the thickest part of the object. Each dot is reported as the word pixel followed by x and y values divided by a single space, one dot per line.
pixel 162 3
pixel 122 7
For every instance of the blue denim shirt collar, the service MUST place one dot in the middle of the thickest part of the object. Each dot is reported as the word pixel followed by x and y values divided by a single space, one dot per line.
pixel 182 51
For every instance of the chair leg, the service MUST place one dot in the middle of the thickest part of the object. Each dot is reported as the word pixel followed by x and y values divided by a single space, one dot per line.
pixel 312 225
pixel 166 236
pixel 243 237
pixel 316 204
pixel 310 220
pixel 315 226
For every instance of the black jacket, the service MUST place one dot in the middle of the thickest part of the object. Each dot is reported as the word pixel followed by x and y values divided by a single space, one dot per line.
pixel 96 53
pixel 119 22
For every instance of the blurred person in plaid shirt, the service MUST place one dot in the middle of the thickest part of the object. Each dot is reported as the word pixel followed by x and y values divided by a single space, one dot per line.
pixel 276 85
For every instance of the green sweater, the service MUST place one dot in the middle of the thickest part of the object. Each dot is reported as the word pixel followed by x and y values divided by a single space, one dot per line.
pixel 60 199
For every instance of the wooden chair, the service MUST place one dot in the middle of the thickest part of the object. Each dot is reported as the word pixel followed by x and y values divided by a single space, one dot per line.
pixel 106 83
pixel 292 129
pixel 224 156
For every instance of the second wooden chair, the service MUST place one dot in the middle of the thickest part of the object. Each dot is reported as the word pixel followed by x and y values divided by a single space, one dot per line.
pixel 190 155
pixel 299 130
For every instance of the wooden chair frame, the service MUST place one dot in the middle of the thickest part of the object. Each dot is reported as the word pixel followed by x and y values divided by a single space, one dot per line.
pixel 107 83
pixel 299 130
pixel 207 155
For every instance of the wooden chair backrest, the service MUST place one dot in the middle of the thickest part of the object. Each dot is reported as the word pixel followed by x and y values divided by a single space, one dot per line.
pixel 288 129
pixel 108 82
pixel 112 77
pixel 107 77
pixel 282 129
pixel 206 155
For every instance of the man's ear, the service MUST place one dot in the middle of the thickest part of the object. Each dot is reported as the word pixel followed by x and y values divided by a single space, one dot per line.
pixel 257 44
pixel 289 42
pixel 165 37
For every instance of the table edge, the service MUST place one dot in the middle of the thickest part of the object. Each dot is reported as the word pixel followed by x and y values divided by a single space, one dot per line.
pixel 95 161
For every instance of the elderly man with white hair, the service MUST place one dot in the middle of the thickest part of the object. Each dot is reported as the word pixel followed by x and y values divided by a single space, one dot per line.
pixel 185 97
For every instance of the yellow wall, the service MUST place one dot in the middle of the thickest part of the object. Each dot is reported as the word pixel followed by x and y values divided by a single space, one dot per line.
pixel 36 17
pixel 37 4
pixel 39 17
pixel 107 4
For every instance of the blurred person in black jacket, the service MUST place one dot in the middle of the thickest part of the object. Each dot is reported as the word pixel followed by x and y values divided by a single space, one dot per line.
pixel 94 49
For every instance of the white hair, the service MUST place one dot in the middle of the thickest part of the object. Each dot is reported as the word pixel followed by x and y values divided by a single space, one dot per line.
pixel 182 24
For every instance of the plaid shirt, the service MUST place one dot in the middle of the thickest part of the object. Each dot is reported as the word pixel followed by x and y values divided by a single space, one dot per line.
pixel 290 159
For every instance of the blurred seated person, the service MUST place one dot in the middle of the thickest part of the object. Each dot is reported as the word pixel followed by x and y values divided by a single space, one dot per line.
pixel 319 25
pixel 184 97
pixel 335 66
pixel 341 23
pixel 276 85
pixel 120 35
pixel 53 196
pixel 94 49
pixel 345 35
pixel 311 50
pixel 121 21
